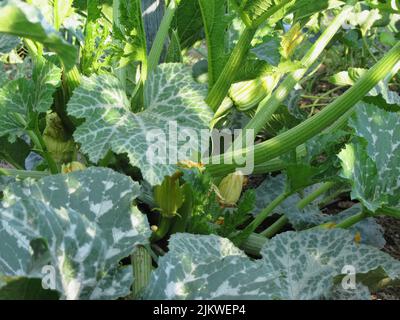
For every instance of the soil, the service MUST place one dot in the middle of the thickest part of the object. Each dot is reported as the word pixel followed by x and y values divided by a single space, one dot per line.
pixel 391 227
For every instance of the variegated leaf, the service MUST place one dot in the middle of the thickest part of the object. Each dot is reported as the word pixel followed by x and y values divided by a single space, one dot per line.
pixel 88 225
pixel 371 162
pixel 301 219
pixel 295 265
pixel 173 98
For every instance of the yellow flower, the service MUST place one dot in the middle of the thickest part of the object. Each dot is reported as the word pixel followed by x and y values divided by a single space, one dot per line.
pixel 72 166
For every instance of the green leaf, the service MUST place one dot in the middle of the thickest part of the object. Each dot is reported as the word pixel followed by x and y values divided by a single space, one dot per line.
pixel 371 162
pixel 86 224
pixel 20 288
pixel 8 43
pixel 174 53
pixel 22 97
pixel 188 23
pixel 254 12
pixel 294 265
pixel 14 153
pixel 172 95
pixel 131 31
pixel 92 48
pixel 20 19
pixel 268 50
pixel 215 25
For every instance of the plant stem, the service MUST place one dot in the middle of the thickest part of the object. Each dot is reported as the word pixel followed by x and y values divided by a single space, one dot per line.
pixel 392 212
pixel 221 87
pixel 269 105
pixel 23 174
pixel 350 221
pixel 184 212
pixel 162 230
pixel 283 220
pixel 266 212
pixel 253 244
pixel 294 137
pixel 142 267
pixel 366 46
pixel 275 227
pixel 161 36
pixel 314 195
pixel 38 142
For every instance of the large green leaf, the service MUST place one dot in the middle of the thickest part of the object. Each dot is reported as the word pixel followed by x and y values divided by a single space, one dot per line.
pixel 188 23
pixel 22 97
pixel 371 162
pixel 171 94
pixel 20 19
pixel 294 265
pixel 82 223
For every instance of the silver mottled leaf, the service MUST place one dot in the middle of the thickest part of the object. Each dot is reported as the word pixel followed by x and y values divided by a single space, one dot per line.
pixel 88 223
pixel 294 265
pixel 371 162
pixel 171 95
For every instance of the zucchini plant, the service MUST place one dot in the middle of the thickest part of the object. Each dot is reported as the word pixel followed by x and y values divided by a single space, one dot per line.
pixel 200 159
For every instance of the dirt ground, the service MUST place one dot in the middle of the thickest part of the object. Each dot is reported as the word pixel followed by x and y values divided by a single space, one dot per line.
pixel 392 236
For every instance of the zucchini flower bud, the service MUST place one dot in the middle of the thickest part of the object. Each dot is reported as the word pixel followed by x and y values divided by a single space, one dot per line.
pixel 169 196
pixel 60 146
pixel 230 189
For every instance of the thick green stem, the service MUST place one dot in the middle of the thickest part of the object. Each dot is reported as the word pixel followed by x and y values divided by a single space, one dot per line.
pixel 253 244
pixel 220 89
pixel 161 36
pixel 294 137
pixel 142 267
